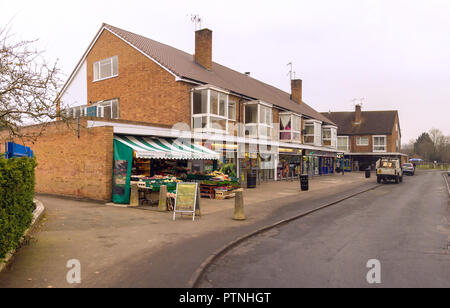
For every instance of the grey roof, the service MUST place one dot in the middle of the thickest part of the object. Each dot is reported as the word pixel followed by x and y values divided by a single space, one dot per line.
pixel 183 65
pixel 372 122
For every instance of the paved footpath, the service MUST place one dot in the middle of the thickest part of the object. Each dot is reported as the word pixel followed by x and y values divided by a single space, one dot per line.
pixel 126 247
pixel 406 227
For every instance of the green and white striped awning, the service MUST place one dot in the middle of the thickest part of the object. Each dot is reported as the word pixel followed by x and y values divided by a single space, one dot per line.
pixel 165 148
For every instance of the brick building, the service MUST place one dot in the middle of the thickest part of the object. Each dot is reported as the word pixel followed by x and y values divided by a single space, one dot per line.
pixel 132 89
pixel 366 136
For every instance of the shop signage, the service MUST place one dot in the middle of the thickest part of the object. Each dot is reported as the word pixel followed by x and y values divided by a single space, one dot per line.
pixel 187 199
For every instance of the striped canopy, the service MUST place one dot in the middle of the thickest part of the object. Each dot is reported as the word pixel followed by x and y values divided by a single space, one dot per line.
pixel 162 148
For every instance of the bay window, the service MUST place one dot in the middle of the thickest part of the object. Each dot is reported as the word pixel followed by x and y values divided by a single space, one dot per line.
pixel 258 120
pixel 313 132
pixel 209 110
pixel 232 110
pixel 329 136
pixel 290 127
pixel 379 143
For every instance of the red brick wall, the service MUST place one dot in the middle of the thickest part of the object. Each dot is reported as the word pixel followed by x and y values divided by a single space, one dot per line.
pixel 72 166
pixel 147 92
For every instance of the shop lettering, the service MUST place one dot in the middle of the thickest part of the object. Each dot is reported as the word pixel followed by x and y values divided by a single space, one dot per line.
pixel 196 298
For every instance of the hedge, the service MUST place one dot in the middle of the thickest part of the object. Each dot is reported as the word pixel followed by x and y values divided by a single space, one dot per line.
pixel 16 200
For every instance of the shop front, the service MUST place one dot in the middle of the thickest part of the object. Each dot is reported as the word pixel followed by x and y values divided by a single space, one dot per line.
pixel 257 160
pixel 289 163
pixel 318 163
pixel 152 162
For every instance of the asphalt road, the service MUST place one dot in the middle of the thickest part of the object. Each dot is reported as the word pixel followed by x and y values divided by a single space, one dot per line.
pixel 404 226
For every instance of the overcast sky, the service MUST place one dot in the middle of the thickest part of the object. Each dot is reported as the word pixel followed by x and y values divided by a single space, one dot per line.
pixel 395 54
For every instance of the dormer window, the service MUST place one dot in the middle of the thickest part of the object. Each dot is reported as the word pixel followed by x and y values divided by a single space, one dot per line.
pixel 107 68
pixel 290 127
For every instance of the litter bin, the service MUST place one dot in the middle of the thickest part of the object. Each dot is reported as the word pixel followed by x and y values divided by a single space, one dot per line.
pixel 367 173
pixel 304 185
pixel 251 179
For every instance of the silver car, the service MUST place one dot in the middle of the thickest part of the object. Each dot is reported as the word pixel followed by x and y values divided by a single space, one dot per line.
pixel 408 168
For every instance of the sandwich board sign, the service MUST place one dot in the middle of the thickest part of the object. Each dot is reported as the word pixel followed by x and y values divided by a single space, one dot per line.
pixel 187 199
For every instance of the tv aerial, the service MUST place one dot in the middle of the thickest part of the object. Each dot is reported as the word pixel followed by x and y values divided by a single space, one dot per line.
pixel 197 21
pixel 291 72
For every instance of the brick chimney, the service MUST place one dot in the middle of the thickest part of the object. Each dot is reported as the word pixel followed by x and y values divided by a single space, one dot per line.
pixel 357 114
pixel 296 90
pixel 203 48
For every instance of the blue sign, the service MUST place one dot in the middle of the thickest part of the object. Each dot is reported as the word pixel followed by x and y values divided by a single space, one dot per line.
pixel 17 150
pixel 91 111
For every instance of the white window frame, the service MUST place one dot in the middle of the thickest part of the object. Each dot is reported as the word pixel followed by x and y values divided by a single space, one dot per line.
pixel 260 125
pixel 373 143
pixel 358 141
pixel 111 60
pixel 317 132
pixel 333 136
pixel 101 108
pixel 346 143
pixel 292 131
pixel 208 114
pixel 231 103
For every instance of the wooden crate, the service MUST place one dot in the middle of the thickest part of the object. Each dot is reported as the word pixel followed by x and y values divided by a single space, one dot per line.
pixel 223 194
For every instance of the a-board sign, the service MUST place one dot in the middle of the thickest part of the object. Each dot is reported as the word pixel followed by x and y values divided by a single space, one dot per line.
pixel 186 200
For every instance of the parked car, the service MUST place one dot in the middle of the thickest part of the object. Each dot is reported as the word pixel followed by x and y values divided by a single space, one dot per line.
pixel 448 172
pixel 389 169
pixel 408 168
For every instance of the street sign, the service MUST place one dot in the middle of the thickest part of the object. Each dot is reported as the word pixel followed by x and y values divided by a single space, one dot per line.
pixel 187 199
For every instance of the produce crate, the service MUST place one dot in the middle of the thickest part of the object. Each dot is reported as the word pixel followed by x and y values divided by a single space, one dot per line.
pixel 207 191
pixel 224 194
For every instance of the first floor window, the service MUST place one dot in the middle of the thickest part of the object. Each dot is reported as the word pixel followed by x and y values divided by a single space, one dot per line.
pixel 232 110
pixel 362 141
pixel 326 137
pixel 342 143
pixel 210 110
pixel 309 133
pixel 108 109
pixel 379 144
pixel 106 68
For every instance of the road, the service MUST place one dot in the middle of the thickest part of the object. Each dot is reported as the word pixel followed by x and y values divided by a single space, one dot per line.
pixel 404 226
pixel 123 247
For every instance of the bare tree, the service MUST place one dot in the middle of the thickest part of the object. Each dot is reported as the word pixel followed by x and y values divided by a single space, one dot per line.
pixel 28 87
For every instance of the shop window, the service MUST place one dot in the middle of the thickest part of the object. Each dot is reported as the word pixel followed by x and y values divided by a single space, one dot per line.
pixel 342 143
pixel 258 121
pixel 106 68
pixel 379 144
pixel 290 128
pixel 209 110
pixel 362 141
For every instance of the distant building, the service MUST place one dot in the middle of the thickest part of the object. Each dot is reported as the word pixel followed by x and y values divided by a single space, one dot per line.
pixel 366 136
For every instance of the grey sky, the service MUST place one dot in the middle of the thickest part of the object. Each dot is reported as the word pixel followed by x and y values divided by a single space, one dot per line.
pixel 394 53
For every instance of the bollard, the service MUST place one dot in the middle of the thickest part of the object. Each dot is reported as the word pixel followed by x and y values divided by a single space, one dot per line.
pixel 134 195
pixel 239 205
pixel 162 206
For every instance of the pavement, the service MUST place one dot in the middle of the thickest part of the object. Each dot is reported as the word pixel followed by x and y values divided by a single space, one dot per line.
pixel 128 247
pixel 406 227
